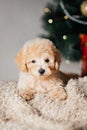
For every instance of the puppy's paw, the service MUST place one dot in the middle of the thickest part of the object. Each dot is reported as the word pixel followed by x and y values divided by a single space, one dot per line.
pixel 59 95
pixel 63 95
pixel 27 95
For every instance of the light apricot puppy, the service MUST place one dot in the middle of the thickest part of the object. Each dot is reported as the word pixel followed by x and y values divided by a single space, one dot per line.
pixel 39 62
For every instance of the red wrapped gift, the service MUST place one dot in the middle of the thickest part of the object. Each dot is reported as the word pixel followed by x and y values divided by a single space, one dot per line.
pixel 83 44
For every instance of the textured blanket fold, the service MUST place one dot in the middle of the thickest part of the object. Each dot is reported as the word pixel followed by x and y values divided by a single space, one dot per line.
pixel 41 113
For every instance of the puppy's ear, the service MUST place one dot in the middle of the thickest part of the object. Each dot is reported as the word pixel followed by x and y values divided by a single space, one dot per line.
pixel 21 61
pixel 57 59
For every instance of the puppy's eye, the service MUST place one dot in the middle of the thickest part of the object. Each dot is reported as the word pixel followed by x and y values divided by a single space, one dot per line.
pixel 46 60
pixel 33 61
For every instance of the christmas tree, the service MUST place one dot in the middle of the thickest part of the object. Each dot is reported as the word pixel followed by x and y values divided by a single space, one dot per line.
pixel 64 21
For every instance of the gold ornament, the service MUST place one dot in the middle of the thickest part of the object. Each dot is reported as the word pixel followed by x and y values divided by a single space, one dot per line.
pixel 83 8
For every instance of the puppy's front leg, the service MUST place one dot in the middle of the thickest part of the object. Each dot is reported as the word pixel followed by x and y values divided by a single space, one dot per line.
pixel 24 90
pixel 26 94
pixel 58 92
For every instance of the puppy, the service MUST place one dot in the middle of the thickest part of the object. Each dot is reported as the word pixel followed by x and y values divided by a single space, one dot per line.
pixel 39 63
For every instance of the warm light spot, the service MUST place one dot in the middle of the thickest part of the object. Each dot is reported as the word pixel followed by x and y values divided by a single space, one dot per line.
pixel 65 37
pixel 65 17
pixel 47 10
pixel 50 21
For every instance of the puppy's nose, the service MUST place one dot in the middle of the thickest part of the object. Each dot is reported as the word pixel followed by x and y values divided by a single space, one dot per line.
pixel 41 71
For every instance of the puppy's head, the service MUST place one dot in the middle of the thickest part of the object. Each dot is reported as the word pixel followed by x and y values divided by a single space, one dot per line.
pixel 39 57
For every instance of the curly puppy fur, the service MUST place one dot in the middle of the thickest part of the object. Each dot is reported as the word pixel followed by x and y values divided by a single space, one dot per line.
pixel 39 63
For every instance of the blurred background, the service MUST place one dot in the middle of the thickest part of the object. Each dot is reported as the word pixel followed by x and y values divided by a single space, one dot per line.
pixel 20 20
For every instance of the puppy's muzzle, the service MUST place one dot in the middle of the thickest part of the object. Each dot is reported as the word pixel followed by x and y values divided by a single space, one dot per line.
pixel 41 71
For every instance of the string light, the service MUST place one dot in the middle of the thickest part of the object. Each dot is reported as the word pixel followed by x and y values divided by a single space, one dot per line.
pixel 50 21
pixel 67 62
pixel 64 37
pixel 47 10
pixel 65 17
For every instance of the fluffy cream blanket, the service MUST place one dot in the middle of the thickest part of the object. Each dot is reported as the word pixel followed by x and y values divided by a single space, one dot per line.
pixel 41 113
